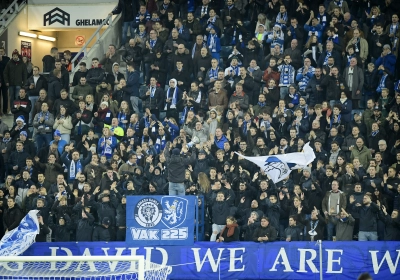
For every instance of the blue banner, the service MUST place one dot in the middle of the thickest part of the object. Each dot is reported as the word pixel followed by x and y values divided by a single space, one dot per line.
pixel 160 220
pixel 250 260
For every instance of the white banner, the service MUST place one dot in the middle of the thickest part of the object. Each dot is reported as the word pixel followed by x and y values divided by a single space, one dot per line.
pixel 56 17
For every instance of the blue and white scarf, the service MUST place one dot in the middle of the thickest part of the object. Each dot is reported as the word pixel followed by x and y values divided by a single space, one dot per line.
pixel 45 116
pixel 184 113
pixel 213 43
pixel 393 30
pixel 339 3
pixel 374 133
pixel 338 120
pixel 328 54
pixel 7 140
pixel 349 57
pixel 146 121
pixel 382 83
pixel 174 96
pixel 153 43
pixel 213 73
pixel 204 45
pixel 160 144
pixel 287 74
pixel 279 17
pixel 135 126
pixel 334 39
pixel 261 104
pixel 322 19
pixel 305 109
pixel 305 78
pixel 293 32
pixel 76 167
pixel 107 151
pixel 152 91
pixel 142 34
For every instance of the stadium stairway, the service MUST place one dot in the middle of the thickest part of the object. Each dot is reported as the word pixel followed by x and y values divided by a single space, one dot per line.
pixel 8 14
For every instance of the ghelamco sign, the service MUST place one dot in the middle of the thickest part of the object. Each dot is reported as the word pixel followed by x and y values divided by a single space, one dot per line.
pixel 66 16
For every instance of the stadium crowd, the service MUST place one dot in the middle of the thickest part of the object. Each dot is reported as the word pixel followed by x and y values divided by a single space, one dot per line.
pixel 206 79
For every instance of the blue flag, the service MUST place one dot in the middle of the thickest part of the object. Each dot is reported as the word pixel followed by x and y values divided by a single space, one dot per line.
pixel 16 241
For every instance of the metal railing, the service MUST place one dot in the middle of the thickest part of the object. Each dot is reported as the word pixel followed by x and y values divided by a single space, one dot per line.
pixel 7 17
pixel 108 20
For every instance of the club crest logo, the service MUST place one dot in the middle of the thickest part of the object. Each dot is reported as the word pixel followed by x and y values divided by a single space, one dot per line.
pixel 148 212
pixel 175 209
pixel 277 167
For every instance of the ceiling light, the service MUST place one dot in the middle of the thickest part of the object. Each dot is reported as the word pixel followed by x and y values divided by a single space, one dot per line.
pixel 47 38
pixel 27 34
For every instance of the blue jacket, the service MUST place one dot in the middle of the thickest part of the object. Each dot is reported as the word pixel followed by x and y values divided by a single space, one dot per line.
pixel 317 30
pixel 220 143
pixel 388 61
pixel 132 84
pixel 113 145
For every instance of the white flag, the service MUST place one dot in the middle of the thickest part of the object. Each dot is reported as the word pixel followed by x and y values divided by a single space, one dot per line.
pixel 278 167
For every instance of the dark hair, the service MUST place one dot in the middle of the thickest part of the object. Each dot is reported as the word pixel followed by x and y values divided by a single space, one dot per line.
pixel 264 218
pixel 364 276
pixel 294 217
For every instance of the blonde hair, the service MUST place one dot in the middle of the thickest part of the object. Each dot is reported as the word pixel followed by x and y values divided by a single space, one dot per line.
pixel 204 182
pixel 308 44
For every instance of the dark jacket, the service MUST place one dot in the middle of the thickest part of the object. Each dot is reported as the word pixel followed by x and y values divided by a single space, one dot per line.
pixel 101 233
pixel 132 83
pixel 268 231
pixel 368 216
pixel 12 217
pixel 3 64
pixel 319 228
pixel 44 231
pixel 334 86
pixel 94 76
pixel 222 209
pixel 155 102
pixel 295 232
pixel 67 103
pixel 84 228
pixel 128 13
pixel 15 73
pixel 105 209
pixel 40 84
pixel 121 215
pixel 176 165
pixel 62 233
pixel 18 158
pixel 24 109
pixel 392 228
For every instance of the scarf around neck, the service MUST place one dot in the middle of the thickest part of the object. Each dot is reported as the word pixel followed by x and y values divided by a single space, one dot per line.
pixel 231 229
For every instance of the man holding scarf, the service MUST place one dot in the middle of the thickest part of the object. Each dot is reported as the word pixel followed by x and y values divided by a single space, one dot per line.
pixel 76 164
pixel 172 96
pixel 160 138
pixel 153 97
pixel 43 124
